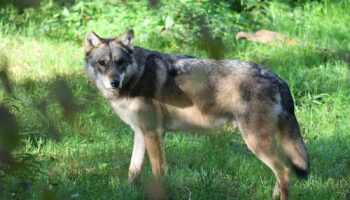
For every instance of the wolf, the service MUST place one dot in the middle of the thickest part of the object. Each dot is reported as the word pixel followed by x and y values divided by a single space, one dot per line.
pixel 156 92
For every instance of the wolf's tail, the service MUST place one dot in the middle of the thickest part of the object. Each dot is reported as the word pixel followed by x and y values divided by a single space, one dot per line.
pixel 291 139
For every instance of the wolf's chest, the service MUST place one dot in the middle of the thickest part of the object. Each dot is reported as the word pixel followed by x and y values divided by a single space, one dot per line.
pixel 127 110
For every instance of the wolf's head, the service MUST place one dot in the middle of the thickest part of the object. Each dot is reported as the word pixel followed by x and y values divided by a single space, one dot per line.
pixel 110 62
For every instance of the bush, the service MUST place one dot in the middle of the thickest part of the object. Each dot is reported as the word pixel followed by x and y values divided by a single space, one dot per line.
pixel 176 23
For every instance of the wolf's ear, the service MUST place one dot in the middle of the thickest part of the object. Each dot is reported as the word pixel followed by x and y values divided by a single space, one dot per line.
pixel 127 39
pixel 92 41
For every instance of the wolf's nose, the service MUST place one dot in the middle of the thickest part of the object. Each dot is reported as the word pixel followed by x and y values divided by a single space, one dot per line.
pixel 115 83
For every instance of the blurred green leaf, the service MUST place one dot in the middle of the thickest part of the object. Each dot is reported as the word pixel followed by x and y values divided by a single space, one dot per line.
pixel 169 22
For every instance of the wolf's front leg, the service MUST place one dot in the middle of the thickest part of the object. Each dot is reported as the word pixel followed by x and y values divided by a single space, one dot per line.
pixel 156 154
pixel 137 158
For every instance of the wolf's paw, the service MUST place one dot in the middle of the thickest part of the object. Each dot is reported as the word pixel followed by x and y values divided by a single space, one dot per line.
pixel 134 179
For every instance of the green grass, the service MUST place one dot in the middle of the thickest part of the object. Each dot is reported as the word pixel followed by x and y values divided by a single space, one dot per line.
pixel 88 156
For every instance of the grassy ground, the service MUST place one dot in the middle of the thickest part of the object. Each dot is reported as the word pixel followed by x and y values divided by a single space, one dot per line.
pixel 86 156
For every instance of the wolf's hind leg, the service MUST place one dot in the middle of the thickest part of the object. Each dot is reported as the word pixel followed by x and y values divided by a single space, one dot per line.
pixel 261 142
pixel 137 158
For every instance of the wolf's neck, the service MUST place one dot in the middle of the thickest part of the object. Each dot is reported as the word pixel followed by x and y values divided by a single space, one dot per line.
pixel 141 54
pixel 143 84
